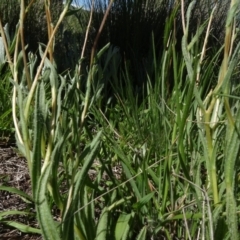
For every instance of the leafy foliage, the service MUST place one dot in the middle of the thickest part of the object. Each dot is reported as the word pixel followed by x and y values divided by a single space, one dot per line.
pixel 174 140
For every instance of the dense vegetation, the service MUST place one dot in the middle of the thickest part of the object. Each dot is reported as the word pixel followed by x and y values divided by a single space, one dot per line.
pixel 149 104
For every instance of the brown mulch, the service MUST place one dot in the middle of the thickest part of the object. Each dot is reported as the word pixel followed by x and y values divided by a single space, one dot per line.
pixel 14 173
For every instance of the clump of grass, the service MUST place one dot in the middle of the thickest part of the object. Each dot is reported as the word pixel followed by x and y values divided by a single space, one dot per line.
pixel 177 144
pixel 176 147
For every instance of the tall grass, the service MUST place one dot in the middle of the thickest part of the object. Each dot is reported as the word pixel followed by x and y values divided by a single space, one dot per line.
pixel 159 162
pixel 189 127
pixel 48 123
pixel 132 21
pixel 6 123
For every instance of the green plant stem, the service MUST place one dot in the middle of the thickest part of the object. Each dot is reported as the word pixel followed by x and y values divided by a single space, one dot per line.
pixel 211 161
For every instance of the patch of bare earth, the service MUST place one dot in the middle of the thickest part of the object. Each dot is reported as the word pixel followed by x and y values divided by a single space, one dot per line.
pixel 14 173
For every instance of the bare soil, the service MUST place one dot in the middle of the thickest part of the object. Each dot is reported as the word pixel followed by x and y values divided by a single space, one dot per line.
pixel 14 173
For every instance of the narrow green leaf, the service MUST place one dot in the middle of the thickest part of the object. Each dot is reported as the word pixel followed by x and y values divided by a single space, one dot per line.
pixel 232 13
pixel 189 12
pixel 5 114
pixel 22 227
pixel 143 200
pixel 231 157
pixel 103 50
pixel 71 12
pixel 132 181
pixel 14 212
pixel 2 52
pixel 48 226
pixel 38 122
pixel 231 66
pixel 18 192
pixel 118 203
pixel 122 226
pixel 87 164
pixel 102 226
pixel 143 234
pixel 55 159
pixel 196 37
pixel 78 232
pixel 89 154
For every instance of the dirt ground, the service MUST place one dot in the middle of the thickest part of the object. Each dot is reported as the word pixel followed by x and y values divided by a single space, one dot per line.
pixel 14 173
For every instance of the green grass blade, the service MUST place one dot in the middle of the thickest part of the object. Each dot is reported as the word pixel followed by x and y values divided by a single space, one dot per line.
pixel 22 227
pixel 92 152
pixel 123 226
pixel 55 159
pixel 143 234
pixel 231 157
pixel 38 123
pixel 48 226
pixel 13 212
pixel 102 226
pixel 18 192
pixel 143 201
pixel 87 157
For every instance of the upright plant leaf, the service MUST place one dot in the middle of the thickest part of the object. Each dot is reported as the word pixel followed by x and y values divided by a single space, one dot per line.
pixel 48 226
pixel 143 233
pixel 89 153
pixel 92 152
pixel 102 226
pixel 231 157
pixel 22 227
pixel 38 123
pixel 123 226
pixel 2 52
